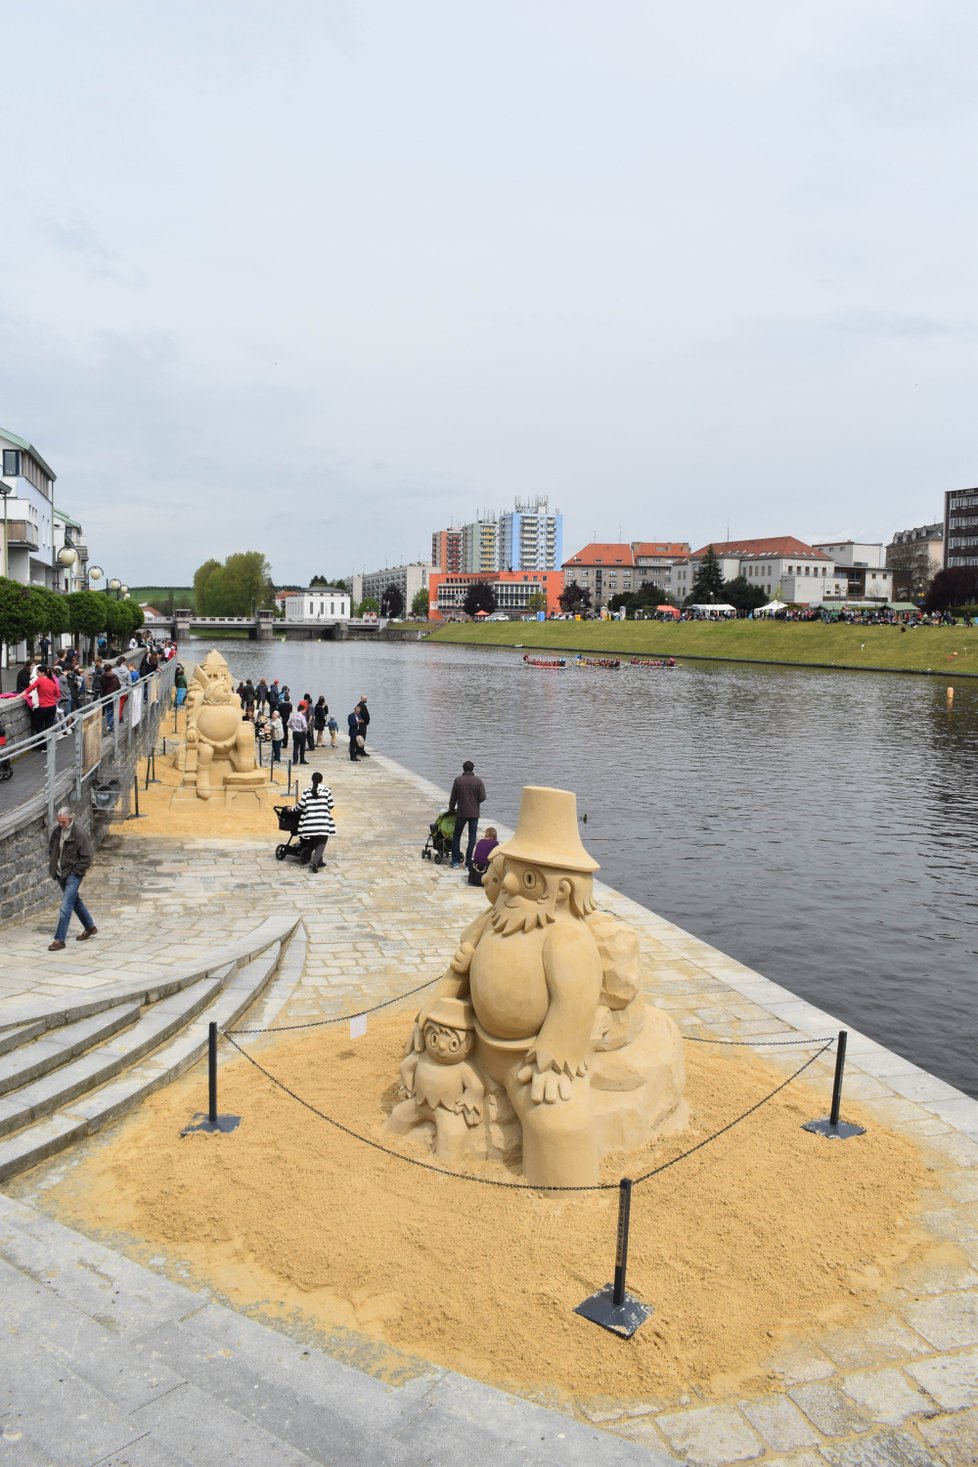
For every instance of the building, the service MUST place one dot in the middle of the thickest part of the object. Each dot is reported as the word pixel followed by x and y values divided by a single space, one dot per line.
pixel 447 591
pixel 785 568
pixel 609 569
pixel 27 487
pixel 409 580
pixel 915 556
pixel 527 537
pixel 316 603
pixel 960 528
pixel 69 574
pixel 446 550
pixel 864 567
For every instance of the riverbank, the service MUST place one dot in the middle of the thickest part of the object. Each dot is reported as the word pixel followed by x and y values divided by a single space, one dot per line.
pixel 848 1324
pixel 937 651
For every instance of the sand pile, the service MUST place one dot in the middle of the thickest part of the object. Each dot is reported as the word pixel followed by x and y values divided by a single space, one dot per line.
pixel 760 1234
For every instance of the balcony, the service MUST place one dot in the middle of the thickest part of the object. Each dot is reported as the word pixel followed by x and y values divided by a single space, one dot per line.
pixel 21 535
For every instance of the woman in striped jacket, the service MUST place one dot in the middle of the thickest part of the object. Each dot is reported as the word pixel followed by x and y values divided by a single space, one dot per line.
pixel 316 823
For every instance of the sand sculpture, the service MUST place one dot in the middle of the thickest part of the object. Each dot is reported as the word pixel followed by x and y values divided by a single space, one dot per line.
pixel 219 749
pixel 537 1044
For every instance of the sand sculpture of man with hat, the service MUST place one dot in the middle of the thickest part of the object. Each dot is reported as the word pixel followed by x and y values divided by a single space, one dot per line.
pixel 219 750
pixel 537 970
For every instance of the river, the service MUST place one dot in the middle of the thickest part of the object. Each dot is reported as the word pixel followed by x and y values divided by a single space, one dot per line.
pixel 821 827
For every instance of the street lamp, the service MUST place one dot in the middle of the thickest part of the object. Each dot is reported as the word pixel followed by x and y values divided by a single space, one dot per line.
pixel 115 586
pixel 95 573
pixel 67 557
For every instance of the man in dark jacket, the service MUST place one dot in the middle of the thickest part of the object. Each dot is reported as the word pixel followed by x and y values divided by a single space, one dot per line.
pixel 467 795
pixel 70 854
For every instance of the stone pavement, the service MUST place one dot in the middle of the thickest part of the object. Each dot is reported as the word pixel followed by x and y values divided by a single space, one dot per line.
pixel 902 1390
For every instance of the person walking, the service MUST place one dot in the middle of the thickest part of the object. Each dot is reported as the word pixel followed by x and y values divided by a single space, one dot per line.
pixel 306 706
pixel 468 793
pixel 297 728
pixel 353 728
pixel 316 823
pixel 319 716
pixel 70 853
pixel 334 729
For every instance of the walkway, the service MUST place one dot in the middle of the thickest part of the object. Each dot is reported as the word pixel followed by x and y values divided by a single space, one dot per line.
pixel 902 1391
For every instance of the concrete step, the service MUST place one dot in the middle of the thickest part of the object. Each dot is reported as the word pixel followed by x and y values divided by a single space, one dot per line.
pixel 21 1034
pixel 55 1047
pixel 59 1109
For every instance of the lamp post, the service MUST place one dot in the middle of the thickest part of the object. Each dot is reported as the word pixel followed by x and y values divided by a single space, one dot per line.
pixel 67 557
pixel 95 573
pixel 115 586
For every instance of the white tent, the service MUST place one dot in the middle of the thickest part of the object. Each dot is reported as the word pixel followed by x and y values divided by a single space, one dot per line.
pixel 770 608
pixel 721 606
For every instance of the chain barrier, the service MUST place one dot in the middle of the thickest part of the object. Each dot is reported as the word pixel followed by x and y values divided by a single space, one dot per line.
pixel 339 1018
pixel 758 1043
pixel 519 1186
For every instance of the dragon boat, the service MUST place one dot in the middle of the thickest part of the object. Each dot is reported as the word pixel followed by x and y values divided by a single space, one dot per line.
pixel 547 662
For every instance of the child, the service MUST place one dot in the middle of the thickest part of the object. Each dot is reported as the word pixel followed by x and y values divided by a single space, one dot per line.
pixel 480 856
pixel 334 729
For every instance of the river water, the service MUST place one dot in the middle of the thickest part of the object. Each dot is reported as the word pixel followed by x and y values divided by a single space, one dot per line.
pixel 821 827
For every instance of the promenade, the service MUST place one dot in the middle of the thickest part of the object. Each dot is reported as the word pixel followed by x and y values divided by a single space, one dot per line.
pixel 894 1381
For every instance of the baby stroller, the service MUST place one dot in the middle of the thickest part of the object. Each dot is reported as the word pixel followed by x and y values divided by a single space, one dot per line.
pixel 288 819
pixel 438 846
pixel 6 768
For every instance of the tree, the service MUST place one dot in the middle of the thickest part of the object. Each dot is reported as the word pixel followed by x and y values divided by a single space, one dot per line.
pixel 743 594
pixel 237 588
pixel 623 601
pixel 910 564
pixel 367 604
pixel 708 583
pixel 575 599
pixel 649 594
pixel 956 586
pixel 17 623
pixel 86 615
pixel 391 601
pixel 420 605
pixel 479 597
pixel 536 601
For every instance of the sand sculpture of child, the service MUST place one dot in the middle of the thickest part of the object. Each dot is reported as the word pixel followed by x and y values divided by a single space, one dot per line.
pixel 440 1084
pixel 557 1002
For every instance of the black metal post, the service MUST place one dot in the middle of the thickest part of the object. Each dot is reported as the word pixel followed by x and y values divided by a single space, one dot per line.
pixel 840 1064
pixel 135 790
pixel 212 1073
pixel 621 1249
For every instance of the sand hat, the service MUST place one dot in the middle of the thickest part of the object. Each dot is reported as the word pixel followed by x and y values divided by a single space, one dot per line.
pixel 547 832
pixel 454 1013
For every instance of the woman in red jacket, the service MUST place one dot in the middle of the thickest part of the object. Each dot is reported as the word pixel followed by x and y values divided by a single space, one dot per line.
pixel 48 698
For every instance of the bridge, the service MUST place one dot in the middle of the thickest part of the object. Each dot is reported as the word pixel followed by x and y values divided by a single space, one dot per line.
pixel 184 624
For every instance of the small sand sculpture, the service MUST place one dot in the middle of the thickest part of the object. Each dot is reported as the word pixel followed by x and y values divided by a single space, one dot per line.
pixel 572 1061
pixel 219 750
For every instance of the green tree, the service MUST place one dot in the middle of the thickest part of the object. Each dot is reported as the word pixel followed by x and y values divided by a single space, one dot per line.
pixel 743 594
pixel 420 605
pixel 955 586
pixel 51 610
pixel 536 601
pixel 239 587
pixel 624 600
pixel 17 620
pixel 207 579
pixel 575 599
pixel 86 615
pixel 708 583
pixel 391 601
pixel 367 604
pixel 479 597
pixel 650 595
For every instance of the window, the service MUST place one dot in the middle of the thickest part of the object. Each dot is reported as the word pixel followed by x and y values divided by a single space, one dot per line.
pixel 11 462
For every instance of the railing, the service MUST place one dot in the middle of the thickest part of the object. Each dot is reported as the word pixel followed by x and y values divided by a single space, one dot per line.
pixel 124 710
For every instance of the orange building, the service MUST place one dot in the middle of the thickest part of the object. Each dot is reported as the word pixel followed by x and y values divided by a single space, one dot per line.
pixel 447 590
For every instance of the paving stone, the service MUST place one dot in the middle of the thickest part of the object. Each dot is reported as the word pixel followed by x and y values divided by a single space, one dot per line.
pixel 202 1429
pixel 710 1435
pixel 955 1438
pixel 827 1408
pixel 780 1423
pixel 805 1458
pixel 951 1379
pixel 887 1395
pixel 877 1342
pixel 947 1322
pixel 801 1364
pixel 882 1449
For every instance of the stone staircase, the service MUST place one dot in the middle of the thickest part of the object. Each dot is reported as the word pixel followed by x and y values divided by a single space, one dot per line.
pixel 67 1068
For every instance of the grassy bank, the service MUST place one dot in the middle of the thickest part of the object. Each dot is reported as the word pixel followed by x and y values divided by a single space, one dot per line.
pixel 941 651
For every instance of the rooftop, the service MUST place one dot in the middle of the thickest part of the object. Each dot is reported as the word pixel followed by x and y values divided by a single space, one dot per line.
pixel 775 548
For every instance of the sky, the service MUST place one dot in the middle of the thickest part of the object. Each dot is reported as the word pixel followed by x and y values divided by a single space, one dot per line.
pixel 318 277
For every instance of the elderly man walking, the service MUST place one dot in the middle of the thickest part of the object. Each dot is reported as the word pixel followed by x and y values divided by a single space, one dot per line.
pixel 69 857
pixel 468 793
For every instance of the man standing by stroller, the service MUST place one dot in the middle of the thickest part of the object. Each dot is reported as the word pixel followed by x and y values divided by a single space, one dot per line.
pixel 468 793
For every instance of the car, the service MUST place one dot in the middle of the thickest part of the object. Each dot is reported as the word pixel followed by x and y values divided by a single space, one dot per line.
pixel 499 616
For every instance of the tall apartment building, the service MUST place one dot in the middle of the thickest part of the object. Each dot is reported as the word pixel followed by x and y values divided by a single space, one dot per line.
pixel 409 580
pixel 960 528
pixel 527 537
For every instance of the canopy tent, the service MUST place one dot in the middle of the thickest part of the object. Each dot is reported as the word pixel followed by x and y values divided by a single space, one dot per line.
pixel 721 606
pixel 672 610
pixel 770 608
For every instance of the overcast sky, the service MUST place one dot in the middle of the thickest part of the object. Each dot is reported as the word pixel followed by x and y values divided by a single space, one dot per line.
pixel 317 277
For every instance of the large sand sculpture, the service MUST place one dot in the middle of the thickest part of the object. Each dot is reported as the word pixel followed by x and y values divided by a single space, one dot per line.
pixel 218 753
pixel 537 1044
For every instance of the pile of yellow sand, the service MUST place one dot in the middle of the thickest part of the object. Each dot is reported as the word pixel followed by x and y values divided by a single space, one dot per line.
pixel 762 1233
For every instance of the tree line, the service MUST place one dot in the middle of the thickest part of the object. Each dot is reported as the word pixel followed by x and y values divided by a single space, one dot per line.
pixel 27 612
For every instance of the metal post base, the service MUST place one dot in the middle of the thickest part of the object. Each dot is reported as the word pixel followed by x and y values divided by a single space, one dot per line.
pixel 841 1131
pixel 200 1122
pixel 621 1319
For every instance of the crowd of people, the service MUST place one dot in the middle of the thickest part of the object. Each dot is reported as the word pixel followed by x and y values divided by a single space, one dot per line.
pixel 56 689
pixel 300 726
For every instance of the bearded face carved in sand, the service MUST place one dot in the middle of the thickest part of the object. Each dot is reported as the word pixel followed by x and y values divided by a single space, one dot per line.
pixel 573 1061
pixel 219 750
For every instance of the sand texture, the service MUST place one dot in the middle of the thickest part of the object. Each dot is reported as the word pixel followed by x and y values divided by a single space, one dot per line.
pixel 760 1236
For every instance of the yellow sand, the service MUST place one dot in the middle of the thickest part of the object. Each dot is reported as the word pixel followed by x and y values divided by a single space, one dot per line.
pixel 765 1234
